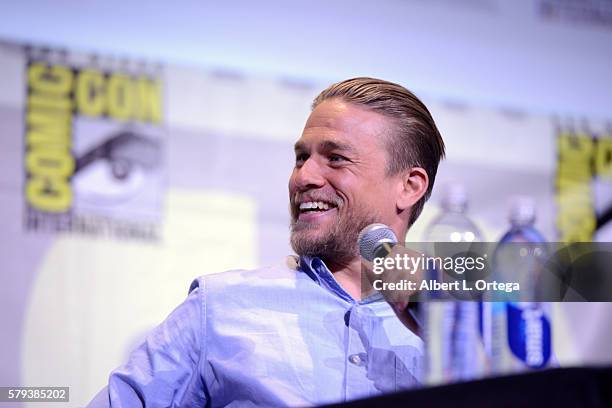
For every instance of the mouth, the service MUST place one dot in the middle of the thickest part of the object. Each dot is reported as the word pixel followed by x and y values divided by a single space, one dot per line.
pixel 312 210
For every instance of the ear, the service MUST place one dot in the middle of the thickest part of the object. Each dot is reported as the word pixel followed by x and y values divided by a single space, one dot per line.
pixel 414 185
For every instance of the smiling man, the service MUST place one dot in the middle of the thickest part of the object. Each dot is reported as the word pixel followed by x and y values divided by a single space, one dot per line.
pixel 301 333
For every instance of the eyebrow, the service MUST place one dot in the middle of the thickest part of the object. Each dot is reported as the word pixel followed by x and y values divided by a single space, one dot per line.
pixel 327 146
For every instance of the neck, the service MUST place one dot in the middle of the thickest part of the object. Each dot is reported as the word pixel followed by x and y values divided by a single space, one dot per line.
pixel 348 275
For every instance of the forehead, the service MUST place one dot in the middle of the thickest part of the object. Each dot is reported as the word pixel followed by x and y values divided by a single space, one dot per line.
pixel 345 123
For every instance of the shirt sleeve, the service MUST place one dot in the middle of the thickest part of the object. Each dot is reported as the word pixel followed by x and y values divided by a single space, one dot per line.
pixel 164 371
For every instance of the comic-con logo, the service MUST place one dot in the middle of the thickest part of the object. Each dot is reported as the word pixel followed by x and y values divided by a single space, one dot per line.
pixel 92 147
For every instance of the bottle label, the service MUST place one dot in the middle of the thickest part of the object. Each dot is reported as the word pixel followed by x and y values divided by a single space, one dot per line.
pixel 529 334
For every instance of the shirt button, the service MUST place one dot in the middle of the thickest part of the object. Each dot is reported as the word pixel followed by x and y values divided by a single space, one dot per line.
pixel 355 359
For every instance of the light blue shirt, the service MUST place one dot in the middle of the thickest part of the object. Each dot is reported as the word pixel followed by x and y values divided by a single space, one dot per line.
pixel 286 335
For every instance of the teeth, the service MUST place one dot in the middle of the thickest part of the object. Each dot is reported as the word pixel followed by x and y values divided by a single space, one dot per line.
pixel 314 204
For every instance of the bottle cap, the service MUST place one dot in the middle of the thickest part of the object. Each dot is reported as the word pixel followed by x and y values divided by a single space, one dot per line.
pixel 522 210
pixel 454 197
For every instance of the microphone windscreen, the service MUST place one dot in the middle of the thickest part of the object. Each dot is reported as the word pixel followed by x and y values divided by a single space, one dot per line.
pixel 372 237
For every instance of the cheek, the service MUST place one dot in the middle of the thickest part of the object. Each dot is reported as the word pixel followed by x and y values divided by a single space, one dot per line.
pixel 381 196
pixel 365 192
pixel 343 187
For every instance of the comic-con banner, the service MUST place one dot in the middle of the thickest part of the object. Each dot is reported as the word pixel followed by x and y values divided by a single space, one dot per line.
pixel 93 145
pixel 584 184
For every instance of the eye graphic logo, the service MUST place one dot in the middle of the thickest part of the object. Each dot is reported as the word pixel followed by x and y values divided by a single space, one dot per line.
pixel 116 169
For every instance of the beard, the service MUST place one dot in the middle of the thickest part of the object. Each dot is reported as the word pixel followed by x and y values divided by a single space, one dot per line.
pixel 335 242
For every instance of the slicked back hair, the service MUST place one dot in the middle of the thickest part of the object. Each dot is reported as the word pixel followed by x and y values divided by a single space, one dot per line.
pixel 414 141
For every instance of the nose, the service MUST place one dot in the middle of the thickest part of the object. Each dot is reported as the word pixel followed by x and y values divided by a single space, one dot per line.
pixel 308 176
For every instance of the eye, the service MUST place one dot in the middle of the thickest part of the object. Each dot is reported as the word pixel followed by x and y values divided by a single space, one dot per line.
pixel 336 158
pixel 300 158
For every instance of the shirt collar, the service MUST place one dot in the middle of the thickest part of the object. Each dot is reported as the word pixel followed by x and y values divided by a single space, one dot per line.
pixel 320 273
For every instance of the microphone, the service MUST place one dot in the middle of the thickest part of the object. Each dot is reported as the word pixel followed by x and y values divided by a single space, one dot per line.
pixel 375 241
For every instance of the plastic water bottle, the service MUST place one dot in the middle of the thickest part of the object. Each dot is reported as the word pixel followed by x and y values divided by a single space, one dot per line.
pixel 518 333
pixel 454 348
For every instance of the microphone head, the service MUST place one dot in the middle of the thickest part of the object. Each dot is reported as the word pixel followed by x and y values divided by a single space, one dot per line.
pixel 372 238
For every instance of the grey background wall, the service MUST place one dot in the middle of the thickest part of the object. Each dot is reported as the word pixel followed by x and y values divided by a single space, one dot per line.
pixel 494 52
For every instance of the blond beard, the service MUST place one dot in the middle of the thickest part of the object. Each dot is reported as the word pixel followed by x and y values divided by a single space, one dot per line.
pixel 339 245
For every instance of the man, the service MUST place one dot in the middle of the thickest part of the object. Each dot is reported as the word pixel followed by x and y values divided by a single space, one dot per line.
pixel 301 333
